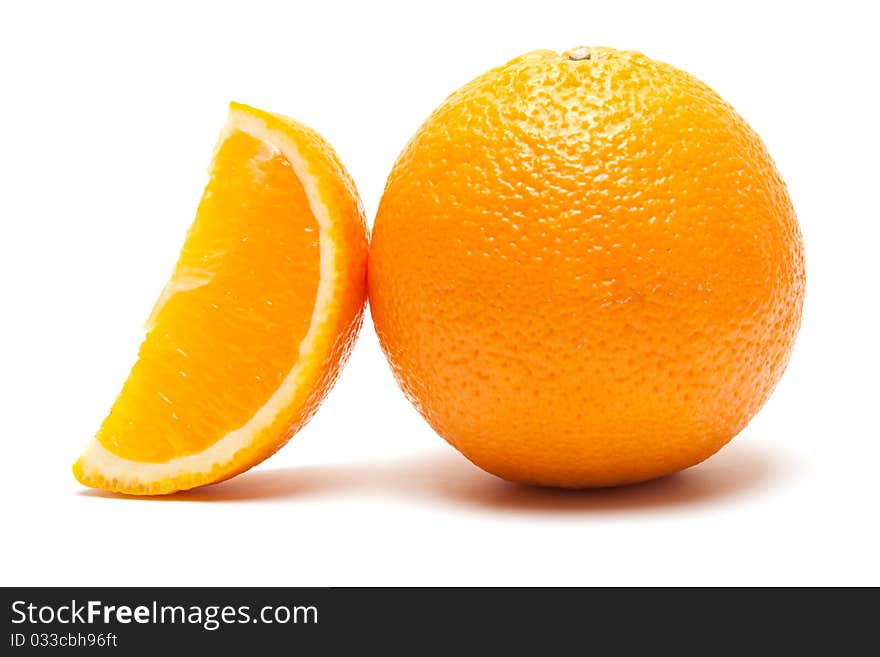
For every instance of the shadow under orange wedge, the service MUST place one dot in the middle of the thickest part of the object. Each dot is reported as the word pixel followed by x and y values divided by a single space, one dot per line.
pixel 260 313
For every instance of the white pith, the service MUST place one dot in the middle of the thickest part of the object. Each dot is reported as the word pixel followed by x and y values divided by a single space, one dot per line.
pixel 97 460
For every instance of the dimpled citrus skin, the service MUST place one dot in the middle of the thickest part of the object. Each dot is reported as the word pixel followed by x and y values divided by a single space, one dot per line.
pixel 585 270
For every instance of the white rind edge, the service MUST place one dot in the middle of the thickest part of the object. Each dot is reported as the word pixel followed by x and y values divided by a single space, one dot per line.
pixel 99 460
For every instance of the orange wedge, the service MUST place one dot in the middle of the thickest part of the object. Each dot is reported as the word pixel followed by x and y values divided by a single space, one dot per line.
pixel 260 314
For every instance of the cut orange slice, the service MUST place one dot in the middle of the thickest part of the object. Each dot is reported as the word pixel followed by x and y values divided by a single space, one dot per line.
pixel 260 313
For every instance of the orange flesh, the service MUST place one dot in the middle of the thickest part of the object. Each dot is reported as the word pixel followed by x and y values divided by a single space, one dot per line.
pixel 242 308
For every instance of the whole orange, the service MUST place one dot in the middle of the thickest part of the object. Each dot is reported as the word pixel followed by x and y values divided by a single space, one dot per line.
pixel 586 270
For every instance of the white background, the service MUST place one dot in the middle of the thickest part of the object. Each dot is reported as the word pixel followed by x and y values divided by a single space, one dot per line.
pixel 109 116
